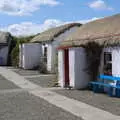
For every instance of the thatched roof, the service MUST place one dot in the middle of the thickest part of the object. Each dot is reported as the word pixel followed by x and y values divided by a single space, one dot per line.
pixel 50 34
pixel 5 37
pixel 104 31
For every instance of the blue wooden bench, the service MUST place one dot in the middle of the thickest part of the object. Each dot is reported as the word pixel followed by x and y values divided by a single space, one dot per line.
pixel 100 86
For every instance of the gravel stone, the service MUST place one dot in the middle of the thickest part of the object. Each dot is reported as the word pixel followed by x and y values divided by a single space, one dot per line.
pixel 23 72
pixel 24 106
pixel 5 84
pixel 43 81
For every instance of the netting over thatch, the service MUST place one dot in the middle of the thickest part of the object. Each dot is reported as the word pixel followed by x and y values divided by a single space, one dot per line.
pixel 104 31
pixel 50 34
pixel 5 38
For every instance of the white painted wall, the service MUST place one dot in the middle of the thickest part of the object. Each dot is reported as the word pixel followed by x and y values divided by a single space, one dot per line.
pixel 115 60
pixel 52 48
pixel 4 55
pixel 115 51
pixel 72 66
pixel 29 52
pixel 78 75
pixel 50 52
pixel 79 78
pixel 61 68
pixel 30 55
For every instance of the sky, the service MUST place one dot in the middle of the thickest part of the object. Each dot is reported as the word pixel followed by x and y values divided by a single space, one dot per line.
pixel 27 17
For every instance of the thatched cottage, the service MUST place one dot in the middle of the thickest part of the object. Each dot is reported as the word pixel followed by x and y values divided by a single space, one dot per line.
pixel 5 41
pixel 43 47
pixel 93 49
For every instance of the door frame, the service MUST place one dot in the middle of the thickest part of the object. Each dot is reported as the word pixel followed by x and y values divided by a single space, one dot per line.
pixel 66 67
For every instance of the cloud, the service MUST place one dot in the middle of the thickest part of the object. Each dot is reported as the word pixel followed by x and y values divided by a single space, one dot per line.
pixel 100 5
pixel 23 7
pixel 29 28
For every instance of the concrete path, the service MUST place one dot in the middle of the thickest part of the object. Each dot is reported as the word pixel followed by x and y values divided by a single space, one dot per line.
pixel 75 107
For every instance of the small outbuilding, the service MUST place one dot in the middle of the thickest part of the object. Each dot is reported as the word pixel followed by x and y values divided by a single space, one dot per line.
pixel 5 42
pixel 29 55
pixel 93 49
pixel 44 46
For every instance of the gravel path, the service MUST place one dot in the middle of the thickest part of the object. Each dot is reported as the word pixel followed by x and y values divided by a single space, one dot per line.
pixel 21 105
pixel 43 81
pixel 97 100
pixel 5 84
pixel 24 106
pixel 26 72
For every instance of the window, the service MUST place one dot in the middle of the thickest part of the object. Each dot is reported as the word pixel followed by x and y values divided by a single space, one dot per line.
pixel 45 51
pixel 108 63
pixel 45 54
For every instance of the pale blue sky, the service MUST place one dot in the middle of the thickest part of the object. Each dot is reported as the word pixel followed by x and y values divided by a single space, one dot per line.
pixel 33 16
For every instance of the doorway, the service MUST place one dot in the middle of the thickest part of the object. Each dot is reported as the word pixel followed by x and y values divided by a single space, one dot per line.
pixel 66 67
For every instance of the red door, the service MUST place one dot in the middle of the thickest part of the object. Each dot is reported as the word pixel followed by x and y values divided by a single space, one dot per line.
pixel 66 67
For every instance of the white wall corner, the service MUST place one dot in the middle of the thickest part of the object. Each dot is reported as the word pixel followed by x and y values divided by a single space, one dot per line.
pixel 61 75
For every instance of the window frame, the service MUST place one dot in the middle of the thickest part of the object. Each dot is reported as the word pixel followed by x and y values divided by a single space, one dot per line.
pixel 107 63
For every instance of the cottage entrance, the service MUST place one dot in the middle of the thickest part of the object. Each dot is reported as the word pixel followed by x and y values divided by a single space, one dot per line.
pixel 66 67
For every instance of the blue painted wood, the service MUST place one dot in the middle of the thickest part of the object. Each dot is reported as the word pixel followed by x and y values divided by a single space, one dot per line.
pixel 107 77
pixel 98 86
pixel 101 83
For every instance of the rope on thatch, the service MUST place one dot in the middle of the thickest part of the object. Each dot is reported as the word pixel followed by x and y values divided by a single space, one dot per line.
pixel 105 31
pixel 103 40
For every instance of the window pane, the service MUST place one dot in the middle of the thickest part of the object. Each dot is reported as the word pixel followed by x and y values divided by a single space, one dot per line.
pixel 108 63
pixel 107 57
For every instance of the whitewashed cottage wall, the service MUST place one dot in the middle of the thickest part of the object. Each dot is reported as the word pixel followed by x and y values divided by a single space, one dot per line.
pixel 115 51
pixel 61 76
pixel 78 75
pixel 52 48
pixel 30 55
pixel 116 61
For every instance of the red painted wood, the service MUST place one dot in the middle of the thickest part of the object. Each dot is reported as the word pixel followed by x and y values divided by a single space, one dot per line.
pixel 66 67
pixel 64 47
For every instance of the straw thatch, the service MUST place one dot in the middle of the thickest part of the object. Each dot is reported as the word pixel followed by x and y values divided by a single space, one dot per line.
pixel 104 31
pixel 50 34
pixel 5 38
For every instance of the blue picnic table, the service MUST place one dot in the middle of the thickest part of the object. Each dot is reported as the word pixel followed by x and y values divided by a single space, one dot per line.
pixel 105 82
